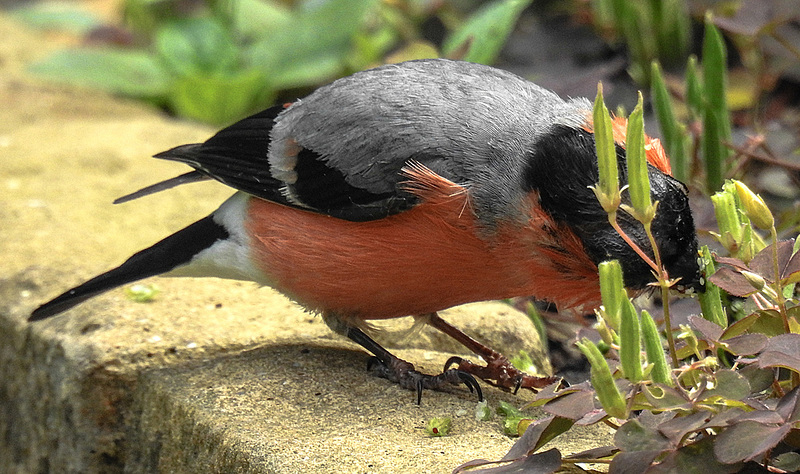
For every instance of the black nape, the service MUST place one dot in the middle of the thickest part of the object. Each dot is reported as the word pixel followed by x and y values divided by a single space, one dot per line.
pixel 562 167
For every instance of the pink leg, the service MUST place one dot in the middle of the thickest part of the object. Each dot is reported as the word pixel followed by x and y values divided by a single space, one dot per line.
pixel 498 370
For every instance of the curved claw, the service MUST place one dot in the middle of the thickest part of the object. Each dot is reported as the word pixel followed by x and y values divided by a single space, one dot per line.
pixel 518 383
pixel 404 374
pixel 500 373
pixel 471 383
pixel 455 360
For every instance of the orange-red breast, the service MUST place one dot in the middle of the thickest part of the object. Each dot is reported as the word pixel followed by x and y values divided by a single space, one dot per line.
pixel 408 189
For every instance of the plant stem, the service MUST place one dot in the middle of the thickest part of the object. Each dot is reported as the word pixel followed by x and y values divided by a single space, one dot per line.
pixel 778 286
pixel 664 284
pixel 661 275
pixel 612 219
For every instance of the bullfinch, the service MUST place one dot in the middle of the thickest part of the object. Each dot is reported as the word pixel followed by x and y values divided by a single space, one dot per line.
pixel 407 189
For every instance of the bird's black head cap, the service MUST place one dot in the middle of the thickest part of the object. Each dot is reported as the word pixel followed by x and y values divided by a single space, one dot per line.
pixel 562 167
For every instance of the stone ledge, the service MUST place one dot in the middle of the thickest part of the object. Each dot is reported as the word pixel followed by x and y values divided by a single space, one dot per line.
pixel 90 393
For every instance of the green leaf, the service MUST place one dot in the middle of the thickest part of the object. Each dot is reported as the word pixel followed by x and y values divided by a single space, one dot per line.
pixel 665 397
pixel 695 458
pixel 536 319
pixel 673 137
pixel 219 99
pixel 714 151
pixel 56 15
pixel 633 436
pixel 313 46
pixel 716 119
pixel 729 385
pixel 486 30
pixel 748 440
pixel 147 16
pixel 695 98
pixel 252 17
pixel 788 462
pixel 715 76
pixel 197 46
pixel 132 73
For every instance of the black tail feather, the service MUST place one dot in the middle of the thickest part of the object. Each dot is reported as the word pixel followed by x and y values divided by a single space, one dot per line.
pixel 177 249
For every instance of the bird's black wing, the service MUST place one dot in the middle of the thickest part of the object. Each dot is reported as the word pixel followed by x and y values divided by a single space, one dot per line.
pixel 238 156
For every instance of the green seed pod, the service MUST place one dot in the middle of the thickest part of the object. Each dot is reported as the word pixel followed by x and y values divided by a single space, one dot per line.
pixel 755 207
pixel 613 293
pixel 608 189
pixel 630 344
pixel 638 179
pixel 655 351
pixel 602 381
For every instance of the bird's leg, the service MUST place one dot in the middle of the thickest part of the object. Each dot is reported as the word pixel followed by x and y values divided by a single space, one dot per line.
pixel 498 370
pixel 391 367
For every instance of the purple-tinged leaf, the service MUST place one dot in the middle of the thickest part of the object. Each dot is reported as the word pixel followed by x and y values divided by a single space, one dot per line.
pixel 748 440
pixel 740 326
pixel 765 417
pixel 595 453
pixel 694 458
pixel 471 464
pixel 760 379
pixel 723 418
pixel 633 436
pixel 788 462
pixel 777 359
pixel 648 419
pixel 573 406
pixel 711 331
pixel 734 262
pixel 730 385
pixel 782 351
pixel 537 435
pixel 762 262
pixel 788 406
pixel 551 392
pixel 750 19
pixel 539 463
pixel 678 427
pixel 592 417
pixel 788 344
pixel 757 404
pixel 733 282
pixel 793 265
pixel 769 323
pixel 634 462
pixel 665 397
pixel 746 344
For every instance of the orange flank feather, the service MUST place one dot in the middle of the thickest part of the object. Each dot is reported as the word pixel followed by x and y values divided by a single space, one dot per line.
pixel 653 149
pixel 426 259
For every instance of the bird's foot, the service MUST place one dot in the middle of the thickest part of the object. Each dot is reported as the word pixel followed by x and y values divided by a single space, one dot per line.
pixel 403 373
pixel 499 372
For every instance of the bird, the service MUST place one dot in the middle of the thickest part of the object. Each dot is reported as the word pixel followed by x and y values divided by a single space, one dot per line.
pixel 408 189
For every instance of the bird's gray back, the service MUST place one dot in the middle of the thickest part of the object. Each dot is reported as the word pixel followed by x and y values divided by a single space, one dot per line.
pixel 470 123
